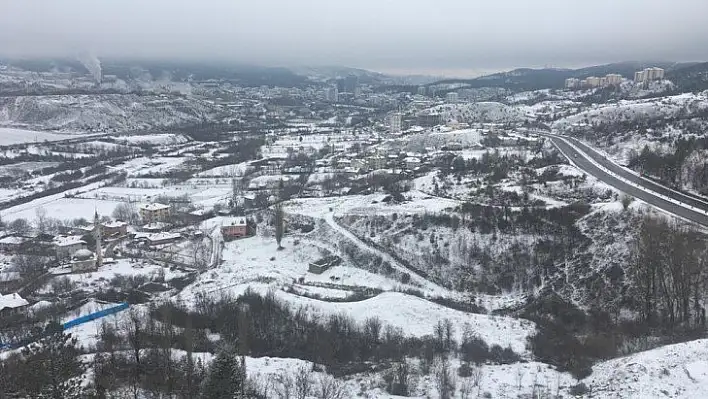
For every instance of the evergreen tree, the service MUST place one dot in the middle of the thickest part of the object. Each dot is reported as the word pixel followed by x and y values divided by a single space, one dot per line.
pixel 226 377
pixel 53 370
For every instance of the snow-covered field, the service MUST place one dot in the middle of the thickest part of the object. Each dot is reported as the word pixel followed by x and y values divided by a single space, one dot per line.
pixel 10 136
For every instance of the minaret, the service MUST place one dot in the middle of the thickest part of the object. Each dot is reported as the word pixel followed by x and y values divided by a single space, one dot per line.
pixel 97 236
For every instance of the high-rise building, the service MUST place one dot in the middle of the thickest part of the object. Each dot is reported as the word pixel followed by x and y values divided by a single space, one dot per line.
pixel 572 83
pixel 394 122
pixel 348 84
pixel 421 90
pixel 452 97
pixel 331 94
pixel 649 74
pixel 591 81
pixel 613 79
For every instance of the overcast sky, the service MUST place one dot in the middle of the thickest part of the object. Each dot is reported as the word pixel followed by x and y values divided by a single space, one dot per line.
pixel 418 36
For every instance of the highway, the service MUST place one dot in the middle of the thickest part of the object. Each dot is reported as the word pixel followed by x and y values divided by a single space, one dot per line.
pixel 588 159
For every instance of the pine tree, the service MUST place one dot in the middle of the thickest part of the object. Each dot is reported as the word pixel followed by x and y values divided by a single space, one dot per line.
pixel 226 377
pixel 54 370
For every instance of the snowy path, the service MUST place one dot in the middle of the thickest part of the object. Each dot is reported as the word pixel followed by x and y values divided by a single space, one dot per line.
pixel 425 284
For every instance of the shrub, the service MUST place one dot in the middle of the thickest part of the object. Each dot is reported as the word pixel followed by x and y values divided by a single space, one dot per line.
pixel 473 348
pixel 465 370
pixel 579 389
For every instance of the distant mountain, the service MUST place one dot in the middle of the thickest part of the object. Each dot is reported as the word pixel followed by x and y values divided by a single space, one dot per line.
pixel 534 79
pixel 693 77
pixel 241 74
pixel 328 73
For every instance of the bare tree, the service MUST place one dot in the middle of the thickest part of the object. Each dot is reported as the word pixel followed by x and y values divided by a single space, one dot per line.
pixel 284 386
pixel 330 388
pixel 41 219
pixel 127 212
pixel 20 227
pixel 303 383
pixel 279 223
pixel 444 380
pixel 135 331
pixel 199 251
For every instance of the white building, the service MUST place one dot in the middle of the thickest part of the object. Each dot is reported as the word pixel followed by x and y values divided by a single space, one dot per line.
pixel 648 74
pixel 613 79
pixel 394 122
pixel 66 246
pixel 591 81
pixel 452 97
pixel 154 212
pixel 572 83
pixel 332 94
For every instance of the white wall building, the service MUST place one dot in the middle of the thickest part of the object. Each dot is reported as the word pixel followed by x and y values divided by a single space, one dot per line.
pixel 648 74
pixel 394 122
pixel 452 97
pixel 572 83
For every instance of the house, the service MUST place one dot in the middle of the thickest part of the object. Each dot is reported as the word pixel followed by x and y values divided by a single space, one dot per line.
pixel 116 228
pixel 153 239
pixel 66 246
pixel 11 303
pixel 12 244
pixel 156 227
pixel 344 163
pixel 412 162
pixel 376 162
pixel 155 212
pixel 234 228
pixel 322 265
pixel 83 260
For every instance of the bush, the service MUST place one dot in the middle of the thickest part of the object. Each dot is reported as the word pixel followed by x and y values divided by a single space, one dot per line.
pixel 579 389
pixel 503 356
pixel 554 345
pixel 473 348
pixel 465 370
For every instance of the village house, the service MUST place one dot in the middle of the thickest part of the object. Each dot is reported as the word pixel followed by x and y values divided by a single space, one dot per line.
pixel 376 162
pixel 66 246
pixel 412 162
pixel 322 265
pixel 116 228
pixel 155 212
pixel 234 228
pixel 11 304
pixel 153 239
pixel 12 244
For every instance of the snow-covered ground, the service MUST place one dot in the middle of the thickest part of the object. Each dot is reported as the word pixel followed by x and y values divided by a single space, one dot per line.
pixel 10 136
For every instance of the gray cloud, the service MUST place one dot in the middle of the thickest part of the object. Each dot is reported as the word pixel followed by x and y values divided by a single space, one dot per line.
pixel 405 35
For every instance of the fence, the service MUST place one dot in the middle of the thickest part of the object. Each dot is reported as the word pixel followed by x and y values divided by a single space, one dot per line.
pixel 95 315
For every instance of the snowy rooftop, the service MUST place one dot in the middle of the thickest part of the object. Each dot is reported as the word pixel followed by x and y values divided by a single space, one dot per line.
pixel 12 301
pixel 13 240
pixel 235 222
pixel 154 207
pixel 65 241
pixel 158 236
pixel 115 224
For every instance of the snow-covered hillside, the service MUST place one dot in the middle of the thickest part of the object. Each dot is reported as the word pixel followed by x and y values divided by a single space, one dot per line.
pixel 479 112
pixel 682 105
pixel 103 113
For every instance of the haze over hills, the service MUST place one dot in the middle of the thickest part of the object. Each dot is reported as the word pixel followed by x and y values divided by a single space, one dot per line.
pixel 203 228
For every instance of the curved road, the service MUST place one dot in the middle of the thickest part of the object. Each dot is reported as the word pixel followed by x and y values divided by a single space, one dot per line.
pixel 588 159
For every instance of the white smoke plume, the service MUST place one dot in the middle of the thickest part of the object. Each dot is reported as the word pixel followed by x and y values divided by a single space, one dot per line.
pixel 93 65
